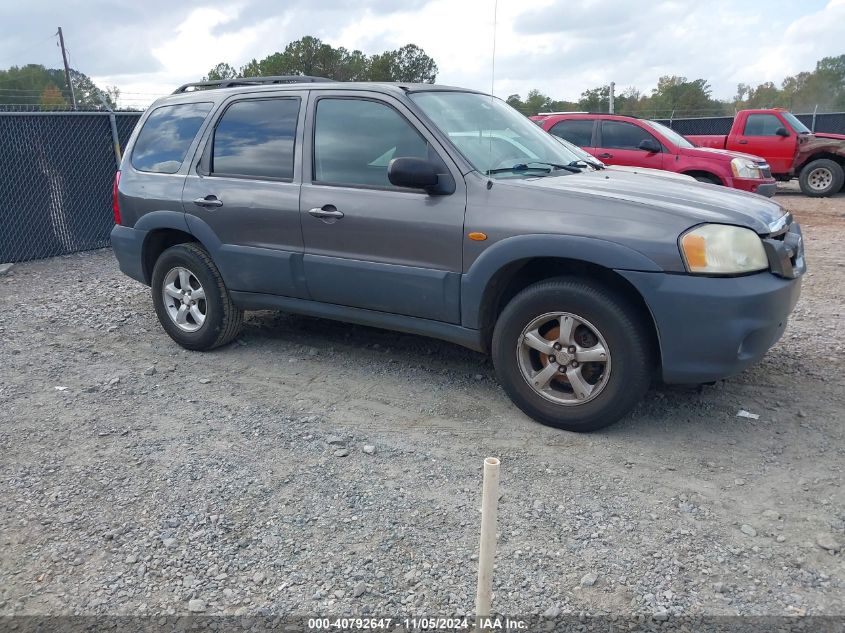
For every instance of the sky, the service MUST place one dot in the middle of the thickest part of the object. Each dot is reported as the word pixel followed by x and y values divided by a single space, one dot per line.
pixel 562 47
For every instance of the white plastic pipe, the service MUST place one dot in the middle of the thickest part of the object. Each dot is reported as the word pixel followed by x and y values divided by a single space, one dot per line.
pixel 487 544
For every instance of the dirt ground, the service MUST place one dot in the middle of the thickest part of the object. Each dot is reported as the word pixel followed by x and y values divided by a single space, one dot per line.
pixel 139 478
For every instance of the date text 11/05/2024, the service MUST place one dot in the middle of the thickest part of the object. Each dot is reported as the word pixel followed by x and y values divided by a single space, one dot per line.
pixel 416 624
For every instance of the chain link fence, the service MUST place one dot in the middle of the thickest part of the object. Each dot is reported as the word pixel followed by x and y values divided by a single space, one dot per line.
pixel 831 122
pixel 58 168
pixel 56 185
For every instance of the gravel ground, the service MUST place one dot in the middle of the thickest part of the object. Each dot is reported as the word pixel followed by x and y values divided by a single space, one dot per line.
pixel 315 466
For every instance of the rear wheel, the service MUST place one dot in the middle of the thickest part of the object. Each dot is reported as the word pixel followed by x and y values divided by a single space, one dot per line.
pixel 191 301
pixel 571 354
pixel 822 177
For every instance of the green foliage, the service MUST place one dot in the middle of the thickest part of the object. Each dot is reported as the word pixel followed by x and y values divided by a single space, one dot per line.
pixel 537 102
pixel 33 84
pixel 221 71
pixel 825 87
pixel 310 56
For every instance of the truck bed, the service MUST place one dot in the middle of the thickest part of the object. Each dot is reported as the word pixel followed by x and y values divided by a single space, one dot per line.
pixel 717 141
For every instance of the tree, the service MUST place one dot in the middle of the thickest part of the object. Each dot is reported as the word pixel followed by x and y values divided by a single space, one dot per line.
pixel 51 97
pixel 410 63
pixel 311 56
pixel 27 84
pixel 537 102
pixel 221 71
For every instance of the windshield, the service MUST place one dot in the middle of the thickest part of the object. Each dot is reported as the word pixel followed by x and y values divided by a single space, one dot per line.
pixel 670 134
pixel 796 124
pixel 493 136
pixel 580 153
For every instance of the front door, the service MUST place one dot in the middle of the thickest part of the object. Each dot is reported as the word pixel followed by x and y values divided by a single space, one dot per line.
pixel 242 196
pixel 369 244
pixel 619 144
pixel 760 134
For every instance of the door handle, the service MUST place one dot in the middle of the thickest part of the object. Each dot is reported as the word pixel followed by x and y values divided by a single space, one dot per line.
pixel 606 155
pixel 743 142
pixel 326 212
pixel 208 201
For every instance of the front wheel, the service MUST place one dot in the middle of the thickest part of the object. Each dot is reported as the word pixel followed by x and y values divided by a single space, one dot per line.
pixel 821 178
pixel 572 355
pixel 190 299
pixel 710 180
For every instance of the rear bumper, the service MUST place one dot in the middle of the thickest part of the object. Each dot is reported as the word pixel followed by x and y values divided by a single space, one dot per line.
pixel 711 328
pixel 764 187
pixel 128 246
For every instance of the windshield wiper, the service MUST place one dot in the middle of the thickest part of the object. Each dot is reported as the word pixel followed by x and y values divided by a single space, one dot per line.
pixel 525 167
pixel 584 163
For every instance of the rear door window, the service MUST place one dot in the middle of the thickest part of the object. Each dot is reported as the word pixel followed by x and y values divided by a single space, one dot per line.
pixel 622 135
pixel 255 139
pixel 762 125
pixel 576 131
pixel 166 136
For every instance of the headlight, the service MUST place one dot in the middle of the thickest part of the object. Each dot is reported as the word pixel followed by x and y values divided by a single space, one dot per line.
pixel 719 249
pixel 745 168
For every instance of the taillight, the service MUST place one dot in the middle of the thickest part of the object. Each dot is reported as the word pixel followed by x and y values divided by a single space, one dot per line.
pixel 115 203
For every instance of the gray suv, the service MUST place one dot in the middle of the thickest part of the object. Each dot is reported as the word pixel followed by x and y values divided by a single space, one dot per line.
pixel 446 213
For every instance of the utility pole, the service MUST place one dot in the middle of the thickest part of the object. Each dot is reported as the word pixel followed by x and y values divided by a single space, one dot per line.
pixel 612 88
pixel 67 69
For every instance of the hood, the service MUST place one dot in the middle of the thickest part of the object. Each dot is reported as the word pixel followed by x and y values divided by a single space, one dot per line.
pixel 711 152
pixel 694 202
pixel 837 137
pixel 823 142
pixel 658 173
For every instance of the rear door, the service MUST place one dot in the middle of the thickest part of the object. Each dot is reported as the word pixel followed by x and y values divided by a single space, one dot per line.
pixel 759 136
pixel 577 131
pixel 619 145
pixel 242 195
pixel 369 244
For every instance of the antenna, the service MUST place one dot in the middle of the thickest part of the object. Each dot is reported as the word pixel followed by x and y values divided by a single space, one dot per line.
pixel 493 63
pixel 492 86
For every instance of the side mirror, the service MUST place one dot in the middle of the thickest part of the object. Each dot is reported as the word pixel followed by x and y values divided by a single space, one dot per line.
pixel 414 173
pixel 649 145
pixel 782 131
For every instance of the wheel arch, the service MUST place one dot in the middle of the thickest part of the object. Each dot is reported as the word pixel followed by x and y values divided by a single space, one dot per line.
pixel 489 285
pixel 836 158
pixel 163 229
pixel 703 172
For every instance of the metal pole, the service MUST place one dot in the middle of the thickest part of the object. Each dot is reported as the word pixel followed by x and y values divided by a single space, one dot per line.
pixel 67 69
pixel 115 138
pixel 487 543
pixel 813 126
pixel 612 88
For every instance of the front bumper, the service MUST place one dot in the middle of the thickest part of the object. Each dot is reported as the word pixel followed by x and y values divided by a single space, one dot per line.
pixel 710 328
pixel 764 187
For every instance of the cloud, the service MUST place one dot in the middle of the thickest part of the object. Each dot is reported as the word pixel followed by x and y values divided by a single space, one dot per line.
pixel 558 46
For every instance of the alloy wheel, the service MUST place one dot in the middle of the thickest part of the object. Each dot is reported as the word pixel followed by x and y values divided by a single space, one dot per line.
pixel 564 358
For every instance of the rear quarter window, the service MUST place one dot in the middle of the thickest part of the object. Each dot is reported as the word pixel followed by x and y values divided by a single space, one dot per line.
pixel 166 136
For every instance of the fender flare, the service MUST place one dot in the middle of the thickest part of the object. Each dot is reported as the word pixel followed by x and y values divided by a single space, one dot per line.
pixel 475 282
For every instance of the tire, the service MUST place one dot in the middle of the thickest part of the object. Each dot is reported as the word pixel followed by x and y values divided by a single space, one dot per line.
pixel 625 333
pixel 710 180
pixel 821 178
pixel 221 320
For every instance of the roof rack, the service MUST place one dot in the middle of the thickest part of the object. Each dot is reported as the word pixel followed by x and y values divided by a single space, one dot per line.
pixel 248 81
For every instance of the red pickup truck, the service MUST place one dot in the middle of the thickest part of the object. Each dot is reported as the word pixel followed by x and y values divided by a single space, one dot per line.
pixel 625 140
pixel 818 160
